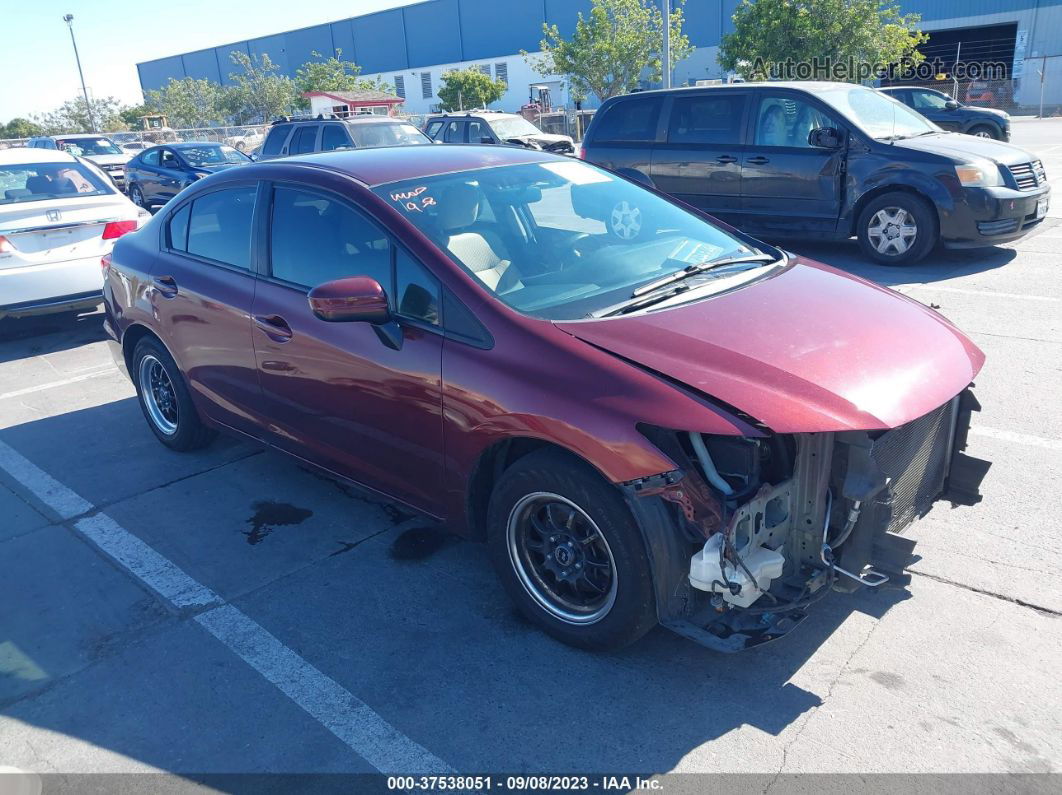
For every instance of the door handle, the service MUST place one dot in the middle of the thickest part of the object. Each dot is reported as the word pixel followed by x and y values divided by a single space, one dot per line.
pixel 759 160
pixel 725 159
pixel 166 285
pixel 274 326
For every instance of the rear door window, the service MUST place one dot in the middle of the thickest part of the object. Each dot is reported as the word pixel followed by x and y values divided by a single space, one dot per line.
pixel 150 158
pixel 219 227
pixel 630 120
pixel 274 142
pixel 707 119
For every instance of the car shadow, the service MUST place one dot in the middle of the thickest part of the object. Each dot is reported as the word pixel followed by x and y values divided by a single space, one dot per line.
pixel 429 640
pixel 32 336
pixel 939 265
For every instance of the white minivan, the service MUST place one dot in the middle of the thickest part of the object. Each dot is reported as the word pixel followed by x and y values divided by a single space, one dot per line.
pixel 59 215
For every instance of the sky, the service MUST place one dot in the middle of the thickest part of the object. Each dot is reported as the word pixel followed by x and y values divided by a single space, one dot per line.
pixel 37 68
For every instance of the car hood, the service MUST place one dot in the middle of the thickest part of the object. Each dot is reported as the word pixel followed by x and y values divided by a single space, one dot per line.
pixel 109 160
pixel 961 148
pixel 547 140
pixel 805 350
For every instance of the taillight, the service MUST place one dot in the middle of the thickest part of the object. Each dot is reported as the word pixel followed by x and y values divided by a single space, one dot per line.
pixel 581 153
pixel 105 264
pixel 6 246
pixel 116 229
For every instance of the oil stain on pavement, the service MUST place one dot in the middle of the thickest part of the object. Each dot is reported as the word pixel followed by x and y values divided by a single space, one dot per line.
pixel 269 515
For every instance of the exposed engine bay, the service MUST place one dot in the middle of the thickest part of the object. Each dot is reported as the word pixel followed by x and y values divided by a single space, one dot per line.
pixel 777 522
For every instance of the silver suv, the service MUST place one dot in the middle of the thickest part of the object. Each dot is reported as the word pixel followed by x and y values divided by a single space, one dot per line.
pixel 290 136
pixel 98 149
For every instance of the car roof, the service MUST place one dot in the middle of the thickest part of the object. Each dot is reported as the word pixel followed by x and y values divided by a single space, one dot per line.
pixel 68 136
pixel 29 155
pixel 809 86
pixel 474 114
pixel 380 165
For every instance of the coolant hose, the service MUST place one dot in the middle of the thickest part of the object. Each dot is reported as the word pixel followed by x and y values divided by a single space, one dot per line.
pixel 710 471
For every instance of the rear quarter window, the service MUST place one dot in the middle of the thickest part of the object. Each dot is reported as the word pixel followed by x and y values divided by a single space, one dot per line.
pixel 629 120
pixel 274 142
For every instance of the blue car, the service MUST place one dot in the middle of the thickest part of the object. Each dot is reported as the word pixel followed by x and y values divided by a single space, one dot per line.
pixel 158 174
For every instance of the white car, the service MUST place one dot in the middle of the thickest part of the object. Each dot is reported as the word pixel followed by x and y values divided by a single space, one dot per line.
pixel 59 216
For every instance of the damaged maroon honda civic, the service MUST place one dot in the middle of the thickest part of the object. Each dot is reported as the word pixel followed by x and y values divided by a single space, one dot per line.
pixel 647 415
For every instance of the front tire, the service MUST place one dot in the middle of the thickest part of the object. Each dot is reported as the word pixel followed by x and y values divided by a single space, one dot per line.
pixel 165 400
pixel 984 131
pixel 897 228
pixel 569 553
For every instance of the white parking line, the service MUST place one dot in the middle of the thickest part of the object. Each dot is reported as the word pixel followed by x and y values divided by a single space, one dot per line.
pixel 351 720
pixel 42 485
pixel 157 572
pixel 53 384
pixel 1018 438
pixel 986 293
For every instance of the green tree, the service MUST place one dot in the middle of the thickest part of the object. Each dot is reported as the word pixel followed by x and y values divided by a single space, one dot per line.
pixel 612 47
pixel 469 88
pixel 258 90
pixel 332 74
pixel 769 34
pixel 73 117
pixel 188 102
pixel 132 114
pixel 20 128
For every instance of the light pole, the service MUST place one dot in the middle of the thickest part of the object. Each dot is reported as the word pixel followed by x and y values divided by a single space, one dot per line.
pixel 665 55
pixel 69 20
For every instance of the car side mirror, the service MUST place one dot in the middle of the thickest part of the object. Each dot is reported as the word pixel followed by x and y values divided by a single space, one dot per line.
pixel 951 104
pixel 486 139
pixel 350 300
pixel 825 138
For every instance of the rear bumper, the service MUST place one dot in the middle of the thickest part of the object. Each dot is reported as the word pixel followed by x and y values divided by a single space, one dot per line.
pixel 50 287
pixel 989 216
pixel 65 303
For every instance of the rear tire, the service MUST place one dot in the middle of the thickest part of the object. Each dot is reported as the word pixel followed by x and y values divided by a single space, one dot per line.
pixel 136 196
pixel 165 400
pixel 569 553
pixel 897 228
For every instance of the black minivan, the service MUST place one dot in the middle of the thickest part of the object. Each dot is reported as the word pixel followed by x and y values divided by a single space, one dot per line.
pixel 822 160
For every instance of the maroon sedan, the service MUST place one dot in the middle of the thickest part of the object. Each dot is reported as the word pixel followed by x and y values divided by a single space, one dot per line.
pixel 648 416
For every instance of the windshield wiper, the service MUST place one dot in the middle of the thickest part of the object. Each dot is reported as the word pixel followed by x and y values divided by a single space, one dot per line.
pixel 652 293
pixel 700 267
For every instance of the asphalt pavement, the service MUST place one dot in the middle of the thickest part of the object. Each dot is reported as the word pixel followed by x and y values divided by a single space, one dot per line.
pixel 229 611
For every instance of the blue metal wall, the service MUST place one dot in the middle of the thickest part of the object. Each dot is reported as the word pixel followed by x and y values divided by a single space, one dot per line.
pixel 448 31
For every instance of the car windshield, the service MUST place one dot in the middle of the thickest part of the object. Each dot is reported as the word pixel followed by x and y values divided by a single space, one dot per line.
pixel 513 127
pixel 386 134
pixel 33 182
pixel 212 155
pixel 560 239
pixel 877 115
pixel 88 146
